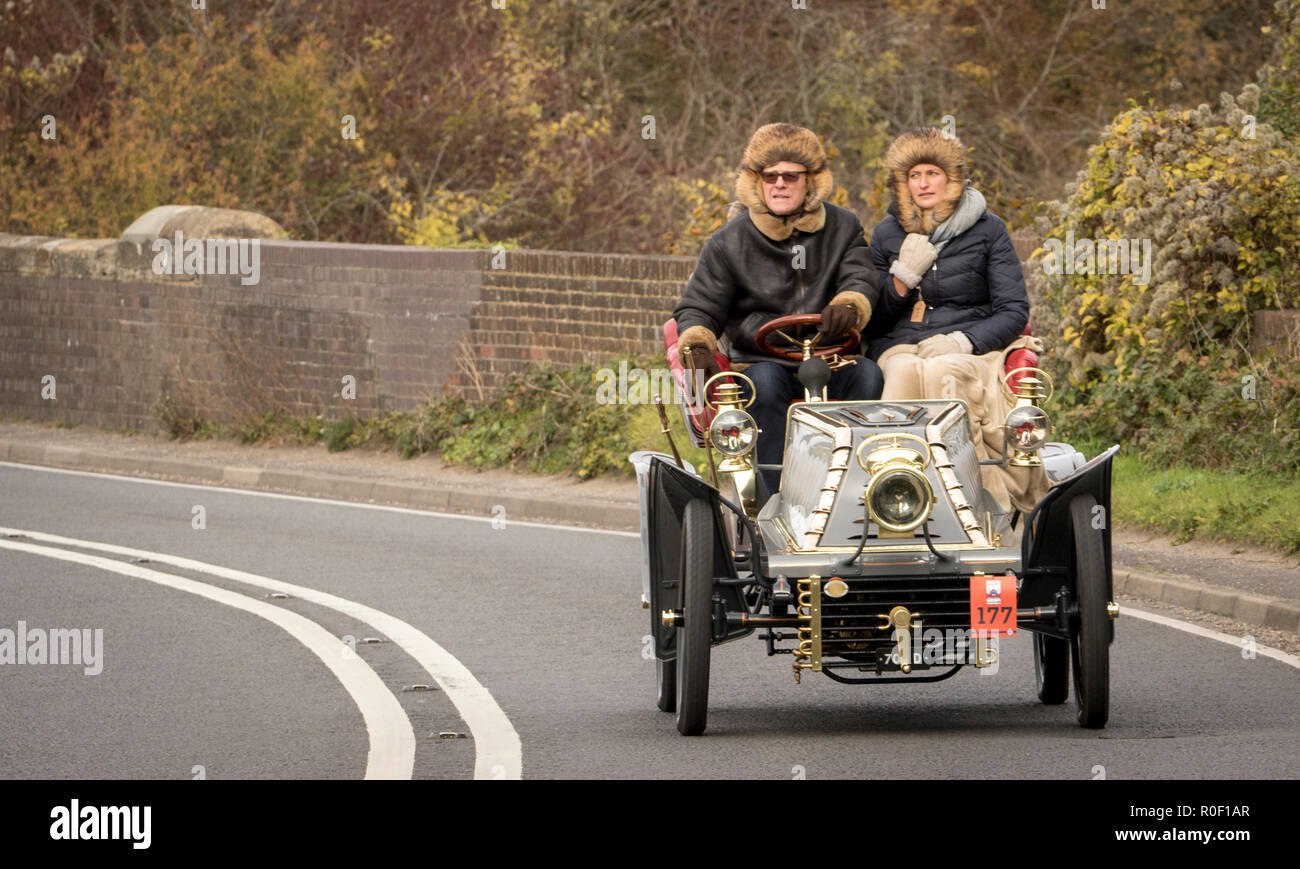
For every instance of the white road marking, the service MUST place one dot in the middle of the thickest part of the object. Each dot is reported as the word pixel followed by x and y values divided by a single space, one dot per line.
pixel 392 741
pixel 312 499
pixel 1266 651
pixel 497 750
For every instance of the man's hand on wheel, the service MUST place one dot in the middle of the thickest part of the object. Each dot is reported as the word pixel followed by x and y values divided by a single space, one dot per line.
pixel 839 319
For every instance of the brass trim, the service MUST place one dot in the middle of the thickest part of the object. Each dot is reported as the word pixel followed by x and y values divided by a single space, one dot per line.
pixel 816 585
pixel 985 654
pixel 836 470
pixel 836 588
pixel 808 652
pixel 1112 609
pixel 920 546
pixel 1030 386
pixel 953 488
pixel 730 391
pixel 824 424
pixel 900 620
pixel 882 473
pixel 865 462
pixel 668 618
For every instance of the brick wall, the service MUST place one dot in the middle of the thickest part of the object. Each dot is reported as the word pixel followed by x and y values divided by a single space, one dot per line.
pixel 407 323
pixel 566 308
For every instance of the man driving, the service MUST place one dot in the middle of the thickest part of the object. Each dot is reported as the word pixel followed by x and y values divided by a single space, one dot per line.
pixel 791 252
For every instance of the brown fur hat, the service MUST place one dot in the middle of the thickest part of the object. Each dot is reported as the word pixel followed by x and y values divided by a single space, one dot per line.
pixel 933 146
pixel 779 143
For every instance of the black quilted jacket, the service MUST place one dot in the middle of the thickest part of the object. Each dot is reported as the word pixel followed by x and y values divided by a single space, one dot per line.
pixel 976 286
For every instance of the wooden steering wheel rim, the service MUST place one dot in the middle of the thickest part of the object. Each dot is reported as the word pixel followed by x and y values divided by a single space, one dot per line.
pixel 849 345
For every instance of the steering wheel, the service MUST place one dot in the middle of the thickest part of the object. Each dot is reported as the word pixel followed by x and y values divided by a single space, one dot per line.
pixel 850 345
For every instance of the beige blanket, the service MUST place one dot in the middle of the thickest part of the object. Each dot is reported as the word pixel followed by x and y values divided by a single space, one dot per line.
pixel 977 380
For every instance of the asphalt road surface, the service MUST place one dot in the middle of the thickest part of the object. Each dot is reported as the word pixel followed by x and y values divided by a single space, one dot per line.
pixel 234 664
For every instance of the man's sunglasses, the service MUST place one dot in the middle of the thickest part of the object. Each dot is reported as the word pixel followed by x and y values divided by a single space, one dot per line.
pixel 787 177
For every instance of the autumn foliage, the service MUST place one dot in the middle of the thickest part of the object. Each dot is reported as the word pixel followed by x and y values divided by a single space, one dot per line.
pixel 600 126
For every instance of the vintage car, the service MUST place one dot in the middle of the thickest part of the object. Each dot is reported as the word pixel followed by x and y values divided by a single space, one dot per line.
pixel 882 559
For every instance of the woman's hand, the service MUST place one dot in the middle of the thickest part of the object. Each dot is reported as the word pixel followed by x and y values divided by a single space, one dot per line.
pixel 914 256
pixel 943 345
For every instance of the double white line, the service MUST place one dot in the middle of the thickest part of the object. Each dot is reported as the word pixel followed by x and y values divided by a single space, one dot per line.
pixel 392 741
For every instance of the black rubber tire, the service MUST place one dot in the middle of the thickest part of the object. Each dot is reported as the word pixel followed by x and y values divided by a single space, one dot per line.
pixel 1051 669
pixel 695 634
pixel 1090 639
pixel 666 683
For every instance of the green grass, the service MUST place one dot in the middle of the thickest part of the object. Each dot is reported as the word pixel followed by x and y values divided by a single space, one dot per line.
pixel 550 423
pixel 646 433
pixel 1194 503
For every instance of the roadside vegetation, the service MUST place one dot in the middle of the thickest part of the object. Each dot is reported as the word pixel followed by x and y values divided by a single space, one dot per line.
pixel 549 422
pixel 603 126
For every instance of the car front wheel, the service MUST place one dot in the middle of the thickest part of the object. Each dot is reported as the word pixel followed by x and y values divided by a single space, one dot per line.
pixel 695 633
pixel 1090 639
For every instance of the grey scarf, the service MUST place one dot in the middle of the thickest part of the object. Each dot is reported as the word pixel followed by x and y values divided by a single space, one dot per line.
pixel 969 209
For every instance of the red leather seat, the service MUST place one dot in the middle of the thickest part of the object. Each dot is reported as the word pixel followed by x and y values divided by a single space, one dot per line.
pixel 1022 357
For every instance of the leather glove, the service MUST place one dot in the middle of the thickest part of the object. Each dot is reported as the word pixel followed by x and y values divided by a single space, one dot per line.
pixel 942 345
pixel 697 356
pixel 914 256
pixel 839 319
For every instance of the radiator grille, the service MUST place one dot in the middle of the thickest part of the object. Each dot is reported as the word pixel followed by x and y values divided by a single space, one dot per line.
pixel 851 625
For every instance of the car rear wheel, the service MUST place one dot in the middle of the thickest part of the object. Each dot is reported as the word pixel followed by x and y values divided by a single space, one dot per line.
pixel 1052 669
pixel 666 679
pixel 695 633
pixel 1090 639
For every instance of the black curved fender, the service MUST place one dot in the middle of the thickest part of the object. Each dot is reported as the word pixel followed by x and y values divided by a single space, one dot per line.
pixel 1047 545
pixel 670 490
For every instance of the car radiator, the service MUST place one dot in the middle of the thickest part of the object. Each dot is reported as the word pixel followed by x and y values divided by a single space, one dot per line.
pixel 854 627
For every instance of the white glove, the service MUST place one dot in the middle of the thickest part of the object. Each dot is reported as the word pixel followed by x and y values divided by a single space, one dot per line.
pixel 914 256
pixel 943 345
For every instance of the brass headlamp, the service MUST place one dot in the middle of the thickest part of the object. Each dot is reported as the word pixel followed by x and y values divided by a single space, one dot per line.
pixel 898 495
pixel 1026 428
pixel 734 434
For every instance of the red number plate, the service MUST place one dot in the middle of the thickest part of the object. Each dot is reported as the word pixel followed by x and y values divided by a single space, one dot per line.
pixel 993 605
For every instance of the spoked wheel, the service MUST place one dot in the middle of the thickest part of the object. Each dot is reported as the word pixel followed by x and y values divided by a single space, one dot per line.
pixel 1052 669
pixel 1090 639
pixel 695 633
pixel 666 680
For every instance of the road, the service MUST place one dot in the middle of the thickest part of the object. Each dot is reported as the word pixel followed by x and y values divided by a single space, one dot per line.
pixel 208 671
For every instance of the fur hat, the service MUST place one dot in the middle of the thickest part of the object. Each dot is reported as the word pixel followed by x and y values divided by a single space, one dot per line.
pixel 781 143
pixel 933 146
